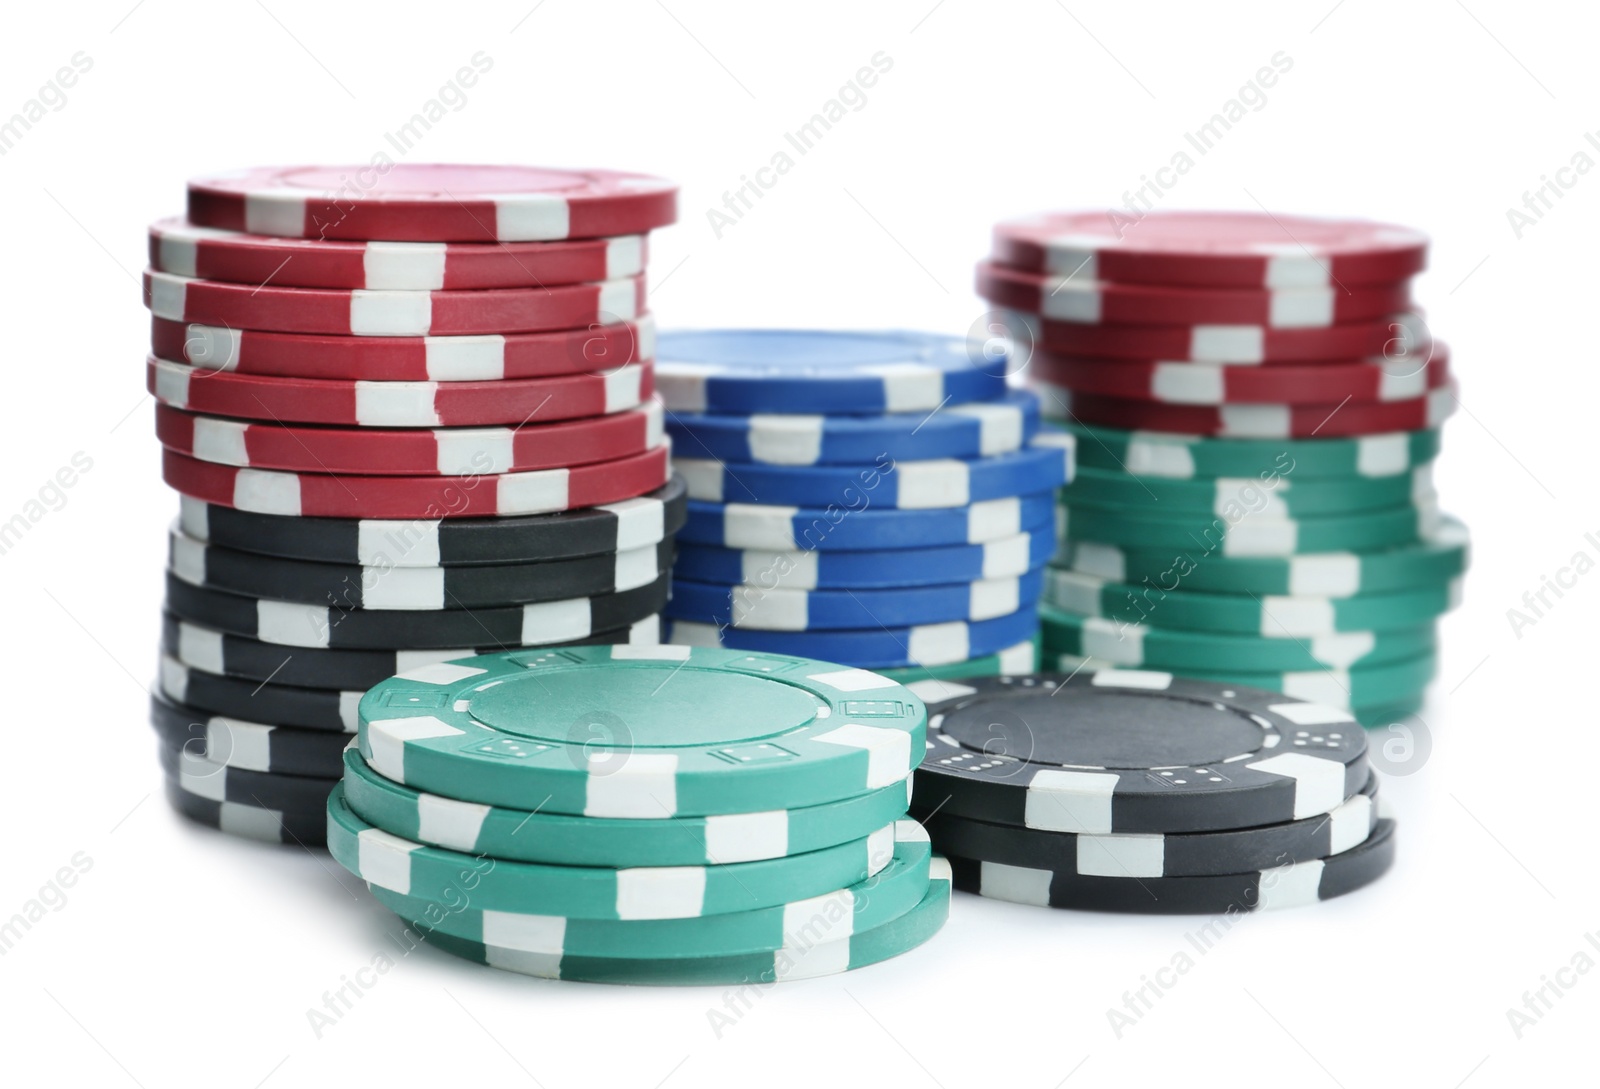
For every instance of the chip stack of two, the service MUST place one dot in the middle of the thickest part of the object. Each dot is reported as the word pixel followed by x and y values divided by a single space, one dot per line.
pixel 1257 411
pixel 647 815
pixel 409 411
pixel 876 499
pixel 1135 791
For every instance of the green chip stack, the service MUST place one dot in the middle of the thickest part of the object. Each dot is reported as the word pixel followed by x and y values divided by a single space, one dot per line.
pixel 648 815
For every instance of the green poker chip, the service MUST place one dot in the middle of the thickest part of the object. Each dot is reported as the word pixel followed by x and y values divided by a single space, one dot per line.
pixel 1247 614
pixel 828 917
pixel 1231 497
pixel 564 840
pixel 1013 661
pixel 1249 535
pixel 1128 645
pixel 595 892
pixel 880 943
pixel 1441 556
pixel 1150 453
pixel 637 732
pixel 1367 686
pixel 1389 713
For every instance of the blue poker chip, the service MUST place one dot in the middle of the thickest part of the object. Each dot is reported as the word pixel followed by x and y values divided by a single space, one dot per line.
pixel 793 370
pixel 875 648
pixel 851 529
pixel 880 569
pixel 758 608
pixel 979 429
pixel 1045 463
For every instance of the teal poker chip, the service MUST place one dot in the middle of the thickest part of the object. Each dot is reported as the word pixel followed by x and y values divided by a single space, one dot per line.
pixel 1249 535
pixel 1247 614
pixel 880 943
pixel 1366 686
pixel 1275 496
pixel 523 835
pixel 1130 645
pixel 828 917
pixel 1438 558
pixel 642 732
pixel 1388 714
pixel 1186 457
pixel 595 892
pixel 1022 658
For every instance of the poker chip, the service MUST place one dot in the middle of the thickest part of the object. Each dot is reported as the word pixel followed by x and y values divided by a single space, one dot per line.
pixel 398 404
pixel 790 529
pixel 251 746
pixel 907 485
pixel 183 249
pixel 260 701
pixel 1184 457
pixel 332 495
pixel 1073 299
pixel 762 608
pixel 1261 421
pixel 1022 658
pixel 1127 751
pixel 1223 342
pixel 447 729
pixel 295 624
pixel 878 569
pixel 1117 643
pixel 304 826
pixel 1290 885
pixel 884 896
pixel 806 960
pixel 198 775
pixel 1281 495
pixel 413 588
pixel 1440 556
pixel 1212 249
pixel 405 359
pixel 814 371
pixel 392 313
pixel 872 648
pixel 609 527
pixel 427 202
pixel 1244 534
pixel 1400 379
pixel 413 451
pixel 1192 854
pixel 978 429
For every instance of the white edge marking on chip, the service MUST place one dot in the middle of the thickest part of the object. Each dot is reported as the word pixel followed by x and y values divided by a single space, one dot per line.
pixel 403 266
pixel 391 313
pixel 662 653
pixel 936 690
pixel 1014 884
pixel 631 785
pixel 531 217
pixel 385 859
pixel 785 440
pixel 537 492
pixel 535 934
pixel 442 673
pixel 387 738
pixel 275 212
pixel 661 892
pixel 746 837
pixel 1121 855
pixel 1059 800
pixel 888 751
pixel 1318 781
pixel 920 485
pixel 1144 679
pixel 852 680
pixel 1290 886
pixel 640 522
pixel 450 823
pixel 909 387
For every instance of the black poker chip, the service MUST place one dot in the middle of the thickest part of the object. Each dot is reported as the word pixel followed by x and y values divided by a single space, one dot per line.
pixel 305 826
pixel 1302 882
pixel 211 651
pixel 299 794
pixel 1120 751
pixel 533 538
pixel 260 702
pixel 289 623
pixel 353 586
pixel 249 746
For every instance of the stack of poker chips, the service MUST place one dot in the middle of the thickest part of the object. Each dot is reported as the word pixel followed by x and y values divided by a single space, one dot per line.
pixel 1257 411
pixel 409 420
pixel 650 815
pixel 882 500
pixel 1136 791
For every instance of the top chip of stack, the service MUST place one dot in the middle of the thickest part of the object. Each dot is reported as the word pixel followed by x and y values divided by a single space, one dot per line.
pixel 876 499
pixel 1257 407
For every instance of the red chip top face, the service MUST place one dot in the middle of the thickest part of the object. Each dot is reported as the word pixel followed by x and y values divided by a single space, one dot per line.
pixel 1211 249
pixel 420 202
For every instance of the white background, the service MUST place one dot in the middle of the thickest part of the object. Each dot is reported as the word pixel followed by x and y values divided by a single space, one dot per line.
pixel 186 958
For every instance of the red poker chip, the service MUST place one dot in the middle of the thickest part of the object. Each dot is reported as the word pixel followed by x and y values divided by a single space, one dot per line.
pixel 432 202
pixel 1252 421
pixel 393 313
pixel 405 359
pixel 1401 379
pixel 399 404
pixel 183 249
pixel 335 495
pixel 1212 249
pixel 1090 302
pixel 1238 345
pixel 463 451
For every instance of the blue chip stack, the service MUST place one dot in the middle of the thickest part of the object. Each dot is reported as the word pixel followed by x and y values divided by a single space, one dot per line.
pixel 882 500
